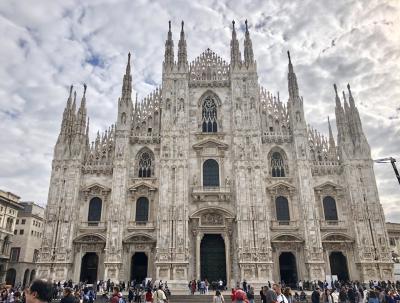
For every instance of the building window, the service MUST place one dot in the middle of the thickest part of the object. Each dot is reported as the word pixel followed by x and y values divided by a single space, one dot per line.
pixel 145 165
pixel 210 173
pixel 31 232
pixel 14 254
pixel 94 214
pixel 392 241
pixel 21 231
pixel 330 210
pixel 15 231
pixel 277 165
pixel 209 115
pixel 23 221
pixel 142 210
pixel 17 222
pixel 282 209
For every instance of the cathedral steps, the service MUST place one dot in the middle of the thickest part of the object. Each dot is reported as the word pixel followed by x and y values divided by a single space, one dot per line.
pixel 202 299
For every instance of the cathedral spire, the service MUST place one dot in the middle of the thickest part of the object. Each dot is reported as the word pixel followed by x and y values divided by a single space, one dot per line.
pixel 351 99
pixel 292 81
pixel 337 99
pixel 248 48
pixel 182 51
pixel 235 52
pixel 169 49
pixel 345 104
pixel 332 145
pixel 127 81
pixel 81 118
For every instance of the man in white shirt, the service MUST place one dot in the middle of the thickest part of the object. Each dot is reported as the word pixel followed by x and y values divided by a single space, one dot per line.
pixel 280 298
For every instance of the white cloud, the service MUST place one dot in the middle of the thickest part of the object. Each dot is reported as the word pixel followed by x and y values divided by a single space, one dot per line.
pixel 47 45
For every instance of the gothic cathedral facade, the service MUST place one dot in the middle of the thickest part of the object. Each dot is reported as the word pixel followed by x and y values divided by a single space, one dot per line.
pixel 211 176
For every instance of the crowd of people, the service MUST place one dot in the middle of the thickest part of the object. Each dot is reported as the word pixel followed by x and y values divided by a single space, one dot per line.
pixel 203 286
pixel 101 292
pixel 41 291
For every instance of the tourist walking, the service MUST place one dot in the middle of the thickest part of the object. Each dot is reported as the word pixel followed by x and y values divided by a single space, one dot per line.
pixel 280 297
pixel 149 296
pixel 250 294
pixel 68 296
pixel 218 298
pixel 159 296
pixel 270 295
pixel 316 295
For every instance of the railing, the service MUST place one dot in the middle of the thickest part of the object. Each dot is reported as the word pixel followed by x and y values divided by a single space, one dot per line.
pixel 333 224
pixel 284 224
pixel 133 225
pixel 211 189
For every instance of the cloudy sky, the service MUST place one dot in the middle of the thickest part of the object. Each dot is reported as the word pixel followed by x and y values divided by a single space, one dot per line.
pixel 48 45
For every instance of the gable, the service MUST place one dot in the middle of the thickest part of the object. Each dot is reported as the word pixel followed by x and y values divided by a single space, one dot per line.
pixel 210 143
pixel 144 185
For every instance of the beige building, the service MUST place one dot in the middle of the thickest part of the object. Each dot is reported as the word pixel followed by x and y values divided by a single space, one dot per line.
pixel 9 207
pixel 393 230
pixel 27 239
pixel 212 176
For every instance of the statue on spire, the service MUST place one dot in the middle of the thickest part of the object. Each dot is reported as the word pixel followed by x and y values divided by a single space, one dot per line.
pixel 169 49
pixel 235 52
pixel 182 51
pixel 248 48
pixel 292 81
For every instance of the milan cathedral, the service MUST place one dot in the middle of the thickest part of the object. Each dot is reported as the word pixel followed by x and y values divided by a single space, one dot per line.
pixel 212 176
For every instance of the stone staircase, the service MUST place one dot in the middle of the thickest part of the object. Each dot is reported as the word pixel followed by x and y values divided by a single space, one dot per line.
pixel 202 298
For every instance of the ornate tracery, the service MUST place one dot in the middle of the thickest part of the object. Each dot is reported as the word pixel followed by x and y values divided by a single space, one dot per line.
pixel 277 165
pixel 145 164
pixel 209 115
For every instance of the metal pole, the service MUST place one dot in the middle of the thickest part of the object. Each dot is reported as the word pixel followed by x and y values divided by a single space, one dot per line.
pixel 393 160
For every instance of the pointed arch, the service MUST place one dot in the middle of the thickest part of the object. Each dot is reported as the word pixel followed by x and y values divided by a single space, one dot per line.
pixel 145 163
pixel 278 163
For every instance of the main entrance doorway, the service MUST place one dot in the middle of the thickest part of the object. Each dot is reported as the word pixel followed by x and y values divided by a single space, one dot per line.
pixel 288 268
pixel 212 258
pixel 90 264
pixel 139 266
pixel 338 263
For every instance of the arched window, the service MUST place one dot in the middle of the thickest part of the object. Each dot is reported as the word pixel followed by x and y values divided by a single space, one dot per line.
pixel 277 165
pixel 145 165
pixel 282 209
pixel 94 214
pixel 330 210
pixel 209 115
pixel 210 173
pixel 142 210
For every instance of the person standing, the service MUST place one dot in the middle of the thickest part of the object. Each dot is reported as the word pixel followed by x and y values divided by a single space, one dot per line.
pixel 39 292
pixel 271 295
pixel 68 296
pixel 149 296
pixel 250 294
pixel 316 295
pixel 218 298
pixel 262 294
pixel 115 296
pixel 280 297
pixel 159 296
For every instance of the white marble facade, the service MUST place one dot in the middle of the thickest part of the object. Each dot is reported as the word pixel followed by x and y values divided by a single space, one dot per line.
pixel 211 152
